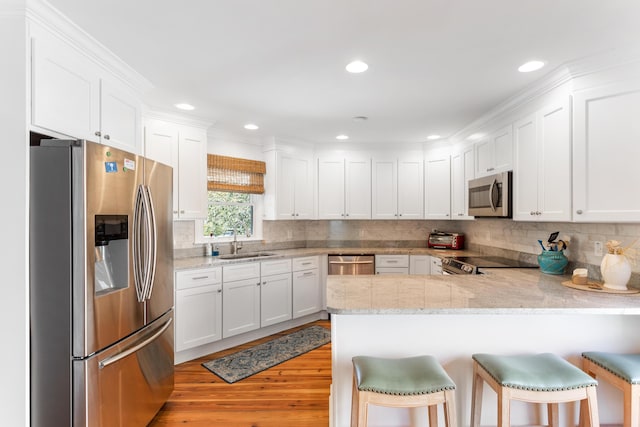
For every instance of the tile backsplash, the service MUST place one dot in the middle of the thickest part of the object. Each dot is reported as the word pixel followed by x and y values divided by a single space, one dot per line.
pixel 491 235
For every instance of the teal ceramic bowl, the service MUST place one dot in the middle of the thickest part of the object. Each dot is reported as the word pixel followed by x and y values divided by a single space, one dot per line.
pixel 552 262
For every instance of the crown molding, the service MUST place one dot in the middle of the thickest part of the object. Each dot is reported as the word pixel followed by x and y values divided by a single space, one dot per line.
pixel 170 116
pixel 42 13
pixel 564 74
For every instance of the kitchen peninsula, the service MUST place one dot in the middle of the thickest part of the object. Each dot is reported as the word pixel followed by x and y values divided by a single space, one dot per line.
pixel 451 317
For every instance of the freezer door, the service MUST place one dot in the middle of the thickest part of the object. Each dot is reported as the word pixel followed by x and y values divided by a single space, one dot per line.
pixel 159 183
pixel 127 384
pixel 105 307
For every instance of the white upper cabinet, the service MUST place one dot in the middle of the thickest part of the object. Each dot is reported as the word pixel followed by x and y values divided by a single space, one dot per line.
pixel 185 149
pixel 606 153
pixel 294 187
pixel 495 152
pixel 344 188
pixel 462 170
pixel 397 189
pixel 72 95
pixel 437 200
pixel 542 188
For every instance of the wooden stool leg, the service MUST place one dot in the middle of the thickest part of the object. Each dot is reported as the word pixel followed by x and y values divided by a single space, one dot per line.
pixel 450 408
pixel 632 406
pixel 591 407
pixel 504 408
pixel 554 417
pixel 476 398
pixel 354 404
pixel 433 415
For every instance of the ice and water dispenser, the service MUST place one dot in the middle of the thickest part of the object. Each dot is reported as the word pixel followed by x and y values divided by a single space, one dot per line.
pixel 111 253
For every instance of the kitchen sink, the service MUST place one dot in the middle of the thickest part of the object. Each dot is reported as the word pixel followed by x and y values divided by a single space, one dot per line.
pixel 247 255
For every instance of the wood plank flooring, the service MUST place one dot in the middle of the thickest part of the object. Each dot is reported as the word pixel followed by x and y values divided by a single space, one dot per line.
pixel 294 393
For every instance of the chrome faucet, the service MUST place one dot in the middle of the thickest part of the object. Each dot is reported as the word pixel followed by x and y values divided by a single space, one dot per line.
pixel 235 245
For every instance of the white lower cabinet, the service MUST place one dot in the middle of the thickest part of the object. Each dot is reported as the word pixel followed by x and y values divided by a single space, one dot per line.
pixel 436 265
pixel 275 292
pixel 392 264
pixel 198 307
pixel 240 298
pixel 419 264
pixel 307 289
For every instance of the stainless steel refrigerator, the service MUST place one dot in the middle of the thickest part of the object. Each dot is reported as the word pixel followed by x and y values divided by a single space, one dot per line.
pixel 101 285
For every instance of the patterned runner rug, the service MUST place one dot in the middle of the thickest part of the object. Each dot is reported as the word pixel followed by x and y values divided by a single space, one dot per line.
pixel 243 364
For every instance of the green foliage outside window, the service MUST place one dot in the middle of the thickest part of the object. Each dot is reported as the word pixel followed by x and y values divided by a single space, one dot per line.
pixel 229 211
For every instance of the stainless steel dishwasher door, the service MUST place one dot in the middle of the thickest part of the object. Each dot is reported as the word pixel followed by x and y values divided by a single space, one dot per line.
pixel 351 265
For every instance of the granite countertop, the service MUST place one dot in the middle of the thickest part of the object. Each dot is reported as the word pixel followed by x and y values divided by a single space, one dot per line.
pixel 499 291
pixel 204 262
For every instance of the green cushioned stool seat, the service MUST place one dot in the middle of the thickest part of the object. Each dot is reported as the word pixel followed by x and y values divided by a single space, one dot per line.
pixel 536 378
pixel 537 372
pixel 621 371
pixel 626 366
pixel 408 382
pixel 407 376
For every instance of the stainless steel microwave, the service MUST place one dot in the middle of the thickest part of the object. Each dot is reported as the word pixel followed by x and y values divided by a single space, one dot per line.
pixel 490 196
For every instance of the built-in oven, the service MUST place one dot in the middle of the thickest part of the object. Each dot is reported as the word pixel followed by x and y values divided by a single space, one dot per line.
pixel 490 196
pixel 476 265
pixel 351 265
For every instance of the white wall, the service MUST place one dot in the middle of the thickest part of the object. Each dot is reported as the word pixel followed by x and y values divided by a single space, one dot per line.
pixel 14 359
pixel 234 145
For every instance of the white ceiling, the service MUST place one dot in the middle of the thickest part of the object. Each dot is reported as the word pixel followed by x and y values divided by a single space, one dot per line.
pixel 434 65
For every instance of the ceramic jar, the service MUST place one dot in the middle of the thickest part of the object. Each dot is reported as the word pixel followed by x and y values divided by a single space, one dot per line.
pixel 616 271
pixel 552 262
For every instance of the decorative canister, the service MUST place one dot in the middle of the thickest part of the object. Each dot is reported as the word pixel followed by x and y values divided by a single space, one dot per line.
pixel 616 271
pixel 552 262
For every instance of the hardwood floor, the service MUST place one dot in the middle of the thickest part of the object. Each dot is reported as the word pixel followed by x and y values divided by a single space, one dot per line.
pixel 294 393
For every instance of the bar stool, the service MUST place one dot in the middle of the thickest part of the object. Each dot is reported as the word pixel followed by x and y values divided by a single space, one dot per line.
pixel 540 378
pixel 401 383
pixel 622 371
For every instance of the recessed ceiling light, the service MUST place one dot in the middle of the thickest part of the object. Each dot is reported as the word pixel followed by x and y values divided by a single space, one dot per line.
pixel 360 118
pixel 475 136
pixel 530 66
pixel 342 137
pixel 251 126
pixel 433 137
pixel 357 67
pixel 186 107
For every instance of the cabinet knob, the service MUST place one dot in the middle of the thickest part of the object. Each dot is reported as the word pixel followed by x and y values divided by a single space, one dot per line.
pixel 538 213
pixel 579 211
pixel 297 214
pixel 175 212
pixel 182 211
pixel 346 214
pixel 258 284
pixel 264 283
pixel 293 214
pixel 97 133
pixel 532 213
pixel 107 137
pixel 219 291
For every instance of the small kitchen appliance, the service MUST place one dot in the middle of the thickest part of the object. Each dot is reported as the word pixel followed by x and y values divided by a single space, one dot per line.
pixel 444 240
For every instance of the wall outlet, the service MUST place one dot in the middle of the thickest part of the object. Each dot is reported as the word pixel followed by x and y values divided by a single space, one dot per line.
pixel 597 248
pixel 289 234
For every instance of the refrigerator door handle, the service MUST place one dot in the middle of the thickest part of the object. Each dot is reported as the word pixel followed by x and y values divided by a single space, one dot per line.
pixel 137 243
pixel 116 357
pixel 153 244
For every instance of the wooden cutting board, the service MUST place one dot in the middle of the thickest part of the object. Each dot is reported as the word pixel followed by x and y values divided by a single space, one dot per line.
pixel 597 287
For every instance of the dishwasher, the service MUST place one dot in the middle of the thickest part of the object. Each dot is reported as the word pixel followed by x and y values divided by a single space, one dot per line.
pixel 351 265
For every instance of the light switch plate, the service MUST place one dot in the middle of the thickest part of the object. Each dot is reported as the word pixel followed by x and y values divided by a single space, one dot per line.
pixel 597 248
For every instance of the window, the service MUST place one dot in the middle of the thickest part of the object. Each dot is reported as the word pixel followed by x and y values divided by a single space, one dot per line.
pixel 235 187
pixel 227 212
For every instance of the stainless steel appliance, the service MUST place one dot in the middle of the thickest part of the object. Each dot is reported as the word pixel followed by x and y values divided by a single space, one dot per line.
pixel 351 265
pixel 101 285
pixel 444 240
pixel 475 265
pixel 490 196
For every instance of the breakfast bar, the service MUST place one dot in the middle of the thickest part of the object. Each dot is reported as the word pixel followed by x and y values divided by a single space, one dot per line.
pixel 505 311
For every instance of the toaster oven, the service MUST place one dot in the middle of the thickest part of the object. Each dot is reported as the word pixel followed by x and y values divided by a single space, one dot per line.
pixel 444 240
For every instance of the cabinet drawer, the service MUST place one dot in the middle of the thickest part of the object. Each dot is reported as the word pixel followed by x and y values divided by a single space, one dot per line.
pixel 305 263
pixel 279 266
pixel 241 271
pixel 392 261
pixel 200 277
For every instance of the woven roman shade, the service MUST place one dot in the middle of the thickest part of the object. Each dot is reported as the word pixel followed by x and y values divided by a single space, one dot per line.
pixel 234 174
